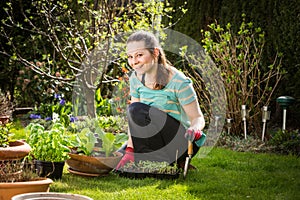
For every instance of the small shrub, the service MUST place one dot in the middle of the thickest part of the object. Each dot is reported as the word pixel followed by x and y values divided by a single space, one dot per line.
pixel 17 170
pixel 251 144
pixel 247 80
pixel 286 142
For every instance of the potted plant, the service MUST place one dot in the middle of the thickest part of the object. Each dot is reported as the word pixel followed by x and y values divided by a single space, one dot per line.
pixel 50 148
pixel 12 153
pixel 23 182
pixel 94 151
pixel 11 149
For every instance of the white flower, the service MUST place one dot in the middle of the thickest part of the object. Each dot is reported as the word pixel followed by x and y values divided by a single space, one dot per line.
pixel 55 117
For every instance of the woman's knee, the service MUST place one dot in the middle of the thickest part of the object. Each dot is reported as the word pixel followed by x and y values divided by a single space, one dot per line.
pixel 139 113
pixel 136 108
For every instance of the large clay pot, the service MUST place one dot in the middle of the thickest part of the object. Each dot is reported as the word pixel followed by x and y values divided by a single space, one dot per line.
pixel 16 150
pixel 4 119
pixel 8 190
pixel 50 195
pixel 11 159
pixel 93 165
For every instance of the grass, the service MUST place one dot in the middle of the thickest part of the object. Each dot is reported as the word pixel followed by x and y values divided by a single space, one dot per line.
pixel 222 174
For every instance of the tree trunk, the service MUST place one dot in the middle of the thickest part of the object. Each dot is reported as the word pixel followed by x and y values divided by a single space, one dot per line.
pixel 90 100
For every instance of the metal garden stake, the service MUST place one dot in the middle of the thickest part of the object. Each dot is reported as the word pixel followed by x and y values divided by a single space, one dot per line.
pixel 265 117
pixel 228 125
pixel 244 113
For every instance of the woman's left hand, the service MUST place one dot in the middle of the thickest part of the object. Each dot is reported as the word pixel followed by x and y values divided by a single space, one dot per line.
pixel 193 135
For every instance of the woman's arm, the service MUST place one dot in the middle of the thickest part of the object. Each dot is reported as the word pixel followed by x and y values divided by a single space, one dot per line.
pixel 129 142
pixel 195 115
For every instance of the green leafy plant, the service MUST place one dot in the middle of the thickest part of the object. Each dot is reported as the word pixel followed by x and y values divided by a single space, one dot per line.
pixel 103 105
pixel 115 124
pixel 111 142
pixel 5 135
pixel 236 143
pixel 85 141
pixel 48 145
pixel 94 132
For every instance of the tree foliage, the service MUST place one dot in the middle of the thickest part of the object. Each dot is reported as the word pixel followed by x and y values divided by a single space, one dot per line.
pixel 55 40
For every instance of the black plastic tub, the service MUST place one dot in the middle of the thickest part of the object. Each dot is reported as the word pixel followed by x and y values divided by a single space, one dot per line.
pixel 142 175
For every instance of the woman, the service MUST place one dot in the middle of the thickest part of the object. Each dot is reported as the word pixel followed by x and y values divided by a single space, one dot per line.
pixel 163 106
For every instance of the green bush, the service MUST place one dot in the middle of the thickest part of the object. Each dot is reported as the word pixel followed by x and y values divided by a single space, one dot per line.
pixel 287 142
pixel 247 81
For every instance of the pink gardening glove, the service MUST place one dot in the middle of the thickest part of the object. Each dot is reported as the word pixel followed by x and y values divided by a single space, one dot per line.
pixel 128 157
pixel 192 135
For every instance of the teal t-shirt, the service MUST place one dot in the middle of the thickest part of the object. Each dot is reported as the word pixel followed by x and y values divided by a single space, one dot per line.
pixel 179 91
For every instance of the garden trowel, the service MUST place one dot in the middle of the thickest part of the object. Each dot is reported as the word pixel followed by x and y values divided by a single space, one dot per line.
pixel 188 158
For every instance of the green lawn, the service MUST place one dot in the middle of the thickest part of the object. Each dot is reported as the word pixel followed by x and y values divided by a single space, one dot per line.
pixel 222 174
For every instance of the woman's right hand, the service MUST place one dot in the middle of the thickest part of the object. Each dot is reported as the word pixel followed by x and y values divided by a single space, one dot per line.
pixel 128 157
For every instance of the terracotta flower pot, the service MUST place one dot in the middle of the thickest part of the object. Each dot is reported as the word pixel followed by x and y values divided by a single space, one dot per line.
pixel 93 165
pixel 16 150
pixel 8 190
pixel 4 119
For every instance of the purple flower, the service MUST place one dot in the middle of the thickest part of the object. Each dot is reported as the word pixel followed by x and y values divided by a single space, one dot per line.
pixel 57 96
pixel 35 116
pixel 48 118
pixel 73 119
pixel 62 102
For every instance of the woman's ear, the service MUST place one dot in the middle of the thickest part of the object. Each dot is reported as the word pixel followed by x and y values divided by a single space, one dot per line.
pixel 156 52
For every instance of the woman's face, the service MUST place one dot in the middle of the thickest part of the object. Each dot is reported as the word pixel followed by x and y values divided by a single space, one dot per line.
pixel 139 58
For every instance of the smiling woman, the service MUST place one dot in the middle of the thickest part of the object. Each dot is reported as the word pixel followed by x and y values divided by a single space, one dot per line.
pixel 163 105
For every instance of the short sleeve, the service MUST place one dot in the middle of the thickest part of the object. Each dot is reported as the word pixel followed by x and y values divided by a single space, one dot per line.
pixel 133 82
pixel 186 93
